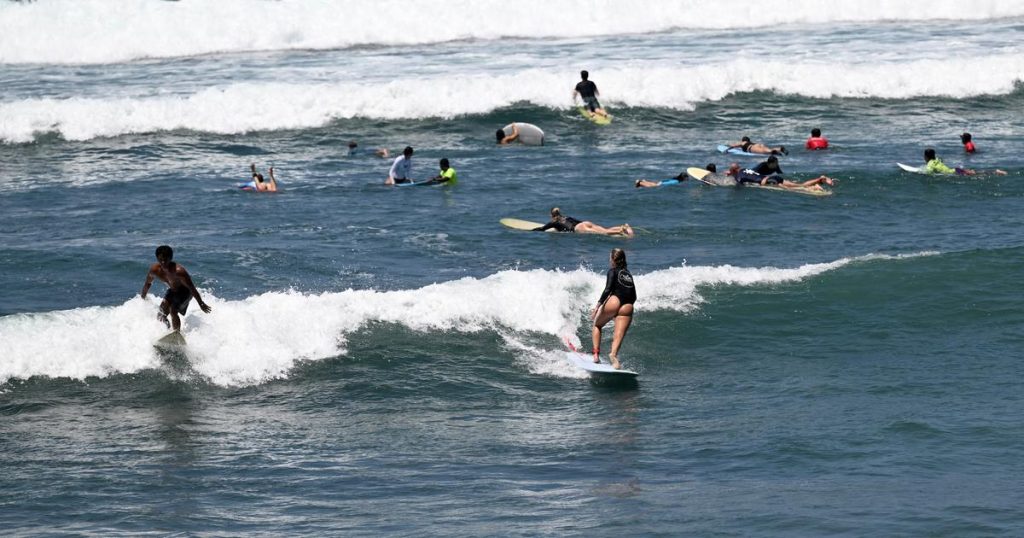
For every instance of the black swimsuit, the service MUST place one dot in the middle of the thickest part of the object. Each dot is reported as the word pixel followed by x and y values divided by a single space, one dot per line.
pixel 562 224
pixel 620 284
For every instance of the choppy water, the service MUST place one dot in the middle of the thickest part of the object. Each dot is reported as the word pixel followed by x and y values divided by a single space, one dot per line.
pixel 388 361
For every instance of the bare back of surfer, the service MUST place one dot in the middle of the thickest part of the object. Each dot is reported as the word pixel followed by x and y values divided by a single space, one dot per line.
pixel 180 289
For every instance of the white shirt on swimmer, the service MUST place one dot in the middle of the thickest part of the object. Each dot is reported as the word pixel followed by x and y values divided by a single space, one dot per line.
pixel 401 168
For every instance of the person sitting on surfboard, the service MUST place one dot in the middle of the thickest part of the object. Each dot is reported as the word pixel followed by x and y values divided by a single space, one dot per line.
pixel 258 183
pixel 747 146
pixel 401 168
pixel 816 141
pixel 499 135
pixel 587 91
pixel 180 289
pixel 563 223
pixel 447 175
pixel 965 139
pixel 616 303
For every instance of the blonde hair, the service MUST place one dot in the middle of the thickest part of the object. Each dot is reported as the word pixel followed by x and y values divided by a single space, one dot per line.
pixel 619 258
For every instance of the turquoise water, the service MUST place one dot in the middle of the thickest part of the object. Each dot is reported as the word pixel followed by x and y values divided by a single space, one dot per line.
pixel 389 361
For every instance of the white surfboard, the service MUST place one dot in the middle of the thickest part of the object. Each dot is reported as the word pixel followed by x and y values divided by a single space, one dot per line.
pixel 529 134
pixel 586 362
pixel 911 169
pixel 520 224
pixel 172 340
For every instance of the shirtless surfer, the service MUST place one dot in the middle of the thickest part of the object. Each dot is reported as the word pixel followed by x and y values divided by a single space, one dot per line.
pixel 180 289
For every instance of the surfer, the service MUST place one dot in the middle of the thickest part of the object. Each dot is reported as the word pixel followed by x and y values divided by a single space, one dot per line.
pixel 587 91
pixel 616 303
pixel 502 140
pixel 563 223
pixel 747 146
pixel 353 150
pixel 936 166
pixel 965 139
pixel 401 168
pixel 712 167
pixel 180 289
pixel 447 175
pixel 261 185
pixel 764 173
pixel 816 141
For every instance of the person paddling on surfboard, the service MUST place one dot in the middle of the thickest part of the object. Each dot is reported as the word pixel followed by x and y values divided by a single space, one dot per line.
pixel 587 90
pixel 616 303
pixel 502 140
pixel 770 173
pixel 747 146
pixel 564 223
pixel 647 184
pixel 936 166
pixel 258 183
pixel 180 289
pixel 401 168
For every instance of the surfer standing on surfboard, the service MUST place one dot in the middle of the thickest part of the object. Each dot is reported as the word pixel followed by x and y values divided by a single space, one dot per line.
pixel 616 303
pixel 587 90
pixel 180 289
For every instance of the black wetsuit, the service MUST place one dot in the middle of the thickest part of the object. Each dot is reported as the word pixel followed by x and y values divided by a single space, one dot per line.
pixel 620 284
pixel 588 91
pixel 178 298
pixel 561 224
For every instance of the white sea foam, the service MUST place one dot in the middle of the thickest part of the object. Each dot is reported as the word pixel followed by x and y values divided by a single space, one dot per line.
pixel 228 348
pixel 245 107
pixel 100 31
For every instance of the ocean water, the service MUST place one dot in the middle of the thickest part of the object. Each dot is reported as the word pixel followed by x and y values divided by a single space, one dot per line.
pixel 389 361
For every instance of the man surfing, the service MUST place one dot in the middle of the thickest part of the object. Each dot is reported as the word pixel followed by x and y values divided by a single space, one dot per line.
pixel 180 289
pixel 587 90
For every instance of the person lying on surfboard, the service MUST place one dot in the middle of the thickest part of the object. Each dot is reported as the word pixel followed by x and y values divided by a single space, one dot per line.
pixel 770 173
pixel 499 135
pixel 180 289
pixel 616 303
pixel 258 183
pixel 563 223
pixel 936 166
pixel 587 90
pixel 711 167
pixel 756 147
pixel 353 150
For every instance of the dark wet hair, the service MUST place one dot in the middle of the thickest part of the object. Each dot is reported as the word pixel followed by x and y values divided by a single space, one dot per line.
pixel 499 135
pixel 965 138
pixel 711 167
pixel 258 177
pixel 619 258
pixel 407 151
pixel 929 154
pixel 164 251
pixel 444 163
pixel 815 132
pixel 745 139
pixel 352 144
pixel 584 74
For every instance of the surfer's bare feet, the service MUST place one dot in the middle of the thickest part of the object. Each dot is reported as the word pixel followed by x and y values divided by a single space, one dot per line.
pixel 615 362
pixel 597 356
